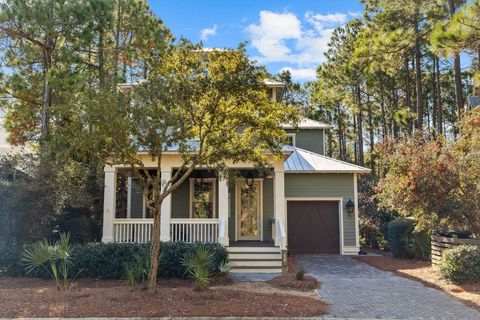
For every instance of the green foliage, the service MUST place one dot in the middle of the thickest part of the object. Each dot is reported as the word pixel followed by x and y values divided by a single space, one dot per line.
pixel 405 242
pixel 10 260
pixel 137 270
pixel 108 260
pixel 460 264
pixel 418 245
pixel 56 259
pixel 300 274
pixel 198 265
pixel 373 221
pixel 398 231
pixel 224 267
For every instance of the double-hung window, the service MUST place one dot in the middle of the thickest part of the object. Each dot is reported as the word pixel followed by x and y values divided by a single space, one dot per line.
pixel 202 198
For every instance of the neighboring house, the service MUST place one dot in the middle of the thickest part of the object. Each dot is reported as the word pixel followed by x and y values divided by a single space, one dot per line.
pixel 307 204
pixel 473 101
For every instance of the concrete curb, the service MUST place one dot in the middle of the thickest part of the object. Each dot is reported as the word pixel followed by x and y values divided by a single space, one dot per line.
pixel 202 318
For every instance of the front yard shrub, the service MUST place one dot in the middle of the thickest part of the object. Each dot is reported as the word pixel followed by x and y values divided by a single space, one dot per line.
pixel 108 260
pixel 52 259
pixel 405 242
pixel 398 230
pixel 10 260
pixel 460 264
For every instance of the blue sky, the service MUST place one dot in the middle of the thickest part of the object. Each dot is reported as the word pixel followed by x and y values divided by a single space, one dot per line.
pixel 281 34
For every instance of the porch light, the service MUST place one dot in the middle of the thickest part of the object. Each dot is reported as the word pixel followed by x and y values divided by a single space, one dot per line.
pixel 350 206
pixel 249 179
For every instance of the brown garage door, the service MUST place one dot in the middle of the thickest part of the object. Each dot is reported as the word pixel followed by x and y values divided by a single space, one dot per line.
pixel 313 226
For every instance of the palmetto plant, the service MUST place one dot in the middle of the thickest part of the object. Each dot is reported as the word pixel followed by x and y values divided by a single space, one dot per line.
pixel 54 259
pixel 137 271
pixel 224 267
pixel 198 265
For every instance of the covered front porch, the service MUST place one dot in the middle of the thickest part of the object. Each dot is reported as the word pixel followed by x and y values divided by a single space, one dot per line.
pixel 205 208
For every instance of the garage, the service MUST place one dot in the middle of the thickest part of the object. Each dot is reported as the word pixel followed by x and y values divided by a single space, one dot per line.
pixel 313 226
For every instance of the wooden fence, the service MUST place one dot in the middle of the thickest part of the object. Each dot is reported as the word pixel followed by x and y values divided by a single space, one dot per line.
pixel 440 243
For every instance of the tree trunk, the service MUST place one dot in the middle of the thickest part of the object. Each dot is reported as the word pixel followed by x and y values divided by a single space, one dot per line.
pixel 439 99
pixel 457 71
pixel 330 137
pixel 361 157
pixel 408 101
pixel 47 91
pixel 372 136
pixel 418 78
pixel 382 106
pixel 434 98
pixel 155 249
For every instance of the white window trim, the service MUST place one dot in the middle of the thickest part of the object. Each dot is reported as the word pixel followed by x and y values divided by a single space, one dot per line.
pixel 238 182
pixel 294 143
pixel 214 198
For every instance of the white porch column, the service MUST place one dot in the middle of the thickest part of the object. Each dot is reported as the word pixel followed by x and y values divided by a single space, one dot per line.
pixel 109 203
pixel 166 175
pixel 279 198
pixel 223 211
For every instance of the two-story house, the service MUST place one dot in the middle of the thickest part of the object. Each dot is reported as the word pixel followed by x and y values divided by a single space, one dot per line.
pixel 307 203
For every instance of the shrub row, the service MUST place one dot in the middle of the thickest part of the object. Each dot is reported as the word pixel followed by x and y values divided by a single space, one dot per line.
pixel 460 264
pixel 108 260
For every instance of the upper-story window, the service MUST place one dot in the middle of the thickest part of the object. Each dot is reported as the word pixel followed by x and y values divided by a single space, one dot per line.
pixel 290 139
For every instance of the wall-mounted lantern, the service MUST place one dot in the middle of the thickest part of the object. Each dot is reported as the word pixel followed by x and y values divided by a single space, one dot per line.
pixel 350 206
pixel 249 179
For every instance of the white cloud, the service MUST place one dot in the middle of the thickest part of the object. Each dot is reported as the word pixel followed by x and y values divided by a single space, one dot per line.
pixel 321 21
pixel 298 42
pixel 270 35
pixel 301 73
pixel 208 32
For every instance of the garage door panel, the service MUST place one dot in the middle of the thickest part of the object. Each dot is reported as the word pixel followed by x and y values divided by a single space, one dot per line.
pixel 313 226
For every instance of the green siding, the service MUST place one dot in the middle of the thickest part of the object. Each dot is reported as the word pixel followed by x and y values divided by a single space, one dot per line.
pixel 325 185
pixel 181 200
pixel 309 139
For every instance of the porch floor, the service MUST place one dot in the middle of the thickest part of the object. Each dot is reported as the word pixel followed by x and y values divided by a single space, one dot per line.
pixel 252 243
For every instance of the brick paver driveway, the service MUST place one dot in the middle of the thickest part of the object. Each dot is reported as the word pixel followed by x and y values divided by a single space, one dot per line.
pixel 357 290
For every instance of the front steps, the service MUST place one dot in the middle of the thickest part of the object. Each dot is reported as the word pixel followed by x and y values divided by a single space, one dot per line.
pixel 249 259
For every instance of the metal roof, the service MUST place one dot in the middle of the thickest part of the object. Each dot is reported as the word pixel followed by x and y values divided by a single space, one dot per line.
pixel 307 123
pixel 303 161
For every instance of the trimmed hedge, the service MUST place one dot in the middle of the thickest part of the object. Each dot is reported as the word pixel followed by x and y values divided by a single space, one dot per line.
pixel 460 264
pixel 108 260
pixel 398 230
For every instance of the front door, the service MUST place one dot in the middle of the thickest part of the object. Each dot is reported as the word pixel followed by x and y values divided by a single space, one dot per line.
pixel 248 211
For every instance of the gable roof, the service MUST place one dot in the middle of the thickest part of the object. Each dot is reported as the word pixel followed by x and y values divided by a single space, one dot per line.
pixel 307 123
pixel 304 161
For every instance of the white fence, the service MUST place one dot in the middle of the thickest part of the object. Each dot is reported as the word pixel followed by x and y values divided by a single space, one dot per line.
pixel 188 230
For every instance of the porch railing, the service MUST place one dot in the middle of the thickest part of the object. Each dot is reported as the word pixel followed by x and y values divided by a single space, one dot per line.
pixel 193 230
pixel 188 230
pixel 132 230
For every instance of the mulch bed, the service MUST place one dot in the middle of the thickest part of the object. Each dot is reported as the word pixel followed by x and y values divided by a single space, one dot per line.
pixel 468 293
pixel 289 281
pixel 27 297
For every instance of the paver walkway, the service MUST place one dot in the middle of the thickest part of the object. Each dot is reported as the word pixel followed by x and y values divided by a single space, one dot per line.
pixel 357 290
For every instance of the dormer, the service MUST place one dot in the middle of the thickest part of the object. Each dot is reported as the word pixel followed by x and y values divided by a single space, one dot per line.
pixel 308 134
pixel 275 88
